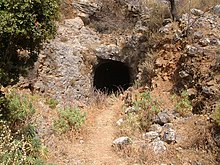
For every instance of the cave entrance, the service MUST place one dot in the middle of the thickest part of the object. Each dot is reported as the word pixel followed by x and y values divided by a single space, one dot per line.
pixel 111 76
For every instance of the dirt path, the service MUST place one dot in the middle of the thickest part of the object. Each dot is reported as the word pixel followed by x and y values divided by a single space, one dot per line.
pixel 98 148
pixel 93 146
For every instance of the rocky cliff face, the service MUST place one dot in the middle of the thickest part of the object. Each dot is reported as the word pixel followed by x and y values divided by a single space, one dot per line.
pixel 97 31
pixel 187 54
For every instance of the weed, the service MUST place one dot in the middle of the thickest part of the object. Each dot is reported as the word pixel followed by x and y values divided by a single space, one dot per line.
pixel 183 105
pixel 216 114
pixel 52 103
pixel 69 118
pixel 145 108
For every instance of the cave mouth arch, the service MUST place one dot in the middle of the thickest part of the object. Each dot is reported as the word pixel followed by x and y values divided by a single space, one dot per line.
pixel 111 76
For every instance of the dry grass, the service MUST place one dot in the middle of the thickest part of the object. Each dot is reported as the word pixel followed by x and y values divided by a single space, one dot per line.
pixel 184 6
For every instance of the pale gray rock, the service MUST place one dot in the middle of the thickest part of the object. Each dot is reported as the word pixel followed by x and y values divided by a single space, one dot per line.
pixel 122 141
pixel 107 51
pixel 88 7
pixel 162 118
pixel 197 12
pixel 167 126
pixel 156 128
pixel 183 74
pixel 216 9
pixel 130 110
pixel 120 122
pixel 191 50
pixel 204 41
pixel 198 35
pixel 150 135
pixel 169 135
pixel 158 146
pixel 75 23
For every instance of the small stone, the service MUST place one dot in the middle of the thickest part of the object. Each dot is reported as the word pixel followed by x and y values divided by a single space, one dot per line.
pixel 122 141
pixel 191 92
pixel 150 135
pixel 216 9
pixel 169 136
pixel 191 50
pixel 167 125
pixel 183 74
pixel 156 128
pixel 198 35
pixel 207 91
pixel 215 41
pixel 204 42
pixel 130 110
pixel 197 12
pixel 81 141
pixel 162 118
pixel 120 122
pixel 158 146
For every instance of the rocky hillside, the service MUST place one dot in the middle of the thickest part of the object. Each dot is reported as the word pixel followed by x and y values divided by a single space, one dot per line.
pixel 165 113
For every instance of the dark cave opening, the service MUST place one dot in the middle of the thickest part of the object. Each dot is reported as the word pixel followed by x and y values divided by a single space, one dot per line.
pixel 111 76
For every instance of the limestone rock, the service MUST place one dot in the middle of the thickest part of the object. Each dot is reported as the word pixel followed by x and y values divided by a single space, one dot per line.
pixel 130 110
pixel 107 51
pixel 156 128
pixel 162 118
pixel 75 23
pixel 158 146
pixel 121 141
pixel 191 50
pixel 150 135
pixel 120 122
pixel 198 35
pixel 88 7
pixel 216 9
pixel 169 135
pixel 196 12
pixel 204 41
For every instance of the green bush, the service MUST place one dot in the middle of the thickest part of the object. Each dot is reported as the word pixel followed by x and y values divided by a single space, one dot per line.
pixel 19 143
pixel 20 107
pixel 69 118
pixel 183 105
pixel 145 108
pixel 24 25
pixel 52 103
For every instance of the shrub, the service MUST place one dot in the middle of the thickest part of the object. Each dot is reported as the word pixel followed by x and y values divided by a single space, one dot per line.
pixel 183 105
pixel 69 118
pixel 52 103
pixel 19 143
pixel 145 108
pixel 24 25
pixel 20 107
